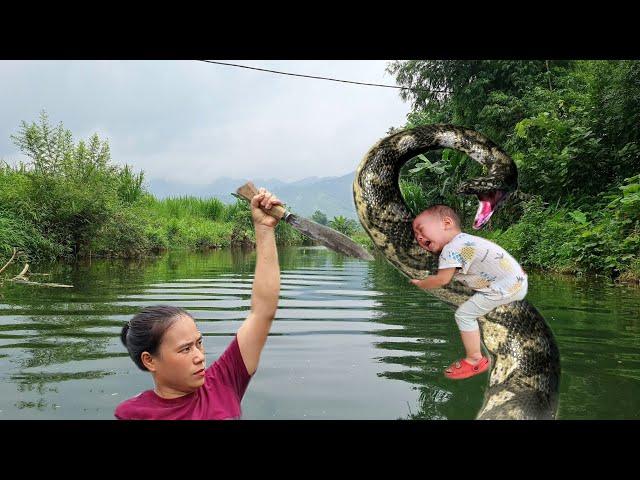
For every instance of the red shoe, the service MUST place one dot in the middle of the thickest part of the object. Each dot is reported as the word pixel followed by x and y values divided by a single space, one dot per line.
pixel 463 369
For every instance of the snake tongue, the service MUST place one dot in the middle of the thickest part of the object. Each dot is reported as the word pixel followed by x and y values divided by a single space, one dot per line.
pixel 485 210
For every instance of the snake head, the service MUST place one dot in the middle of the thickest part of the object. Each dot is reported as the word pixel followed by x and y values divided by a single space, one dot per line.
pixel 491 193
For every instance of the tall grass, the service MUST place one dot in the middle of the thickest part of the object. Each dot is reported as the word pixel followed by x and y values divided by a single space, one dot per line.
pixel 188 206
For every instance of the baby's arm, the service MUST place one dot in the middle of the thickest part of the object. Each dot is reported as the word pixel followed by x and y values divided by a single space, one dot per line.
pixel 443 277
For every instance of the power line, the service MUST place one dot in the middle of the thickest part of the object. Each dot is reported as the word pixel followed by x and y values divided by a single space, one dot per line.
pixel 322 78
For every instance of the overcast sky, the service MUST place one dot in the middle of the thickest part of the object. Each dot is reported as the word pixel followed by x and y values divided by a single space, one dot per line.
pixel 192 122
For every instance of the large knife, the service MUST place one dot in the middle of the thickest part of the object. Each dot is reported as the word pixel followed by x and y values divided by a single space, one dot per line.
pixel 326 236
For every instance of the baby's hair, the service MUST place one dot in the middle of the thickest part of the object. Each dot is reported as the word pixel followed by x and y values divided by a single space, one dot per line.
pixel 443 211
pixel 143 333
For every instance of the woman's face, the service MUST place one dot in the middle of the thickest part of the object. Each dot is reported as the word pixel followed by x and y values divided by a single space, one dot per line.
pixel 180 361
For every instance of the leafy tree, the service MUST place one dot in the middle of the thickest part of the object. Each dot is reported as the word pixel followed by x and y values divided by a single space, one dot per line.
pixel 343 225
pixel 72 190
pixel 319 217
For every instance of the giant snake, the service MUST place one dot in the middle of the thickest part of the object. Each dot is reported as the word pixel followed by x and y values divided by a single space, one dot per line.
pixel 525 367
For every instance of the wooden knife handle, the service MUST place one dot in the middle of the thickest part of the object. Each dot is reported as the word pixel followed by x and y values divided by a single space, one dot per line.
pixel 248 191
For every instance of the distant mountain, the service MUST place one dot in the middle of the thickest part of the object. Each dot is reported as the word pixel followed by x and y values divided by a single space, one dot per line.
pixel 221 188
pixel 331 195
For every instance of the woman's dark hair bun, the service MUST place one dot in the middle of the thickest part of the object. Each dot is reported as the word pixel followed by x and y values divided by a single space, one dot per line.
pixel 123 334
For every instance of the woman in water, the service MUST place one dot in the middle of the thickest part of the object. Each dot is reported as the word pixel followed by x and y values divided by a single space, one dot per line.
pixel 166 342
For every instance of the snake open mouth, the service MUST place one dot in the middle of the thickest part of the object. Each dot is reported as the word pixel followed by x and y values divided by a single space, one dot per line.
pixel 487 204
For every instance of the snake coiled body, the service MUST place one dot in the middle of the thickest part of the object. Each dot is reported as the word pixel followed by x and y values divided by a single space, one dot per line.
pixel 525 367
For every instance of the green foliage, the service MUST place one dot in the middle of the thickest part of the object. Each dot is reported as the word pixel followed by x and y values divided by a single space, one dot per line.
pixel 130 188
pixel 287 235
pixel 121 235
pixel 572 129
pixel 26 238
pixel 319 217
pixel 414 196
pixel 361 237
pixel 627 205
pixel 343 225
pixel 425 182
pixel 66 191
pixel 564 240
pixel 187 206
pixel 189 222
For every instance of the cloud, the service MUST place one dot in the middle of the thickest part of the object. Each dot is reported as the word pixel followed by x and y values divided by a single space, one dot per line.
pixel 192 122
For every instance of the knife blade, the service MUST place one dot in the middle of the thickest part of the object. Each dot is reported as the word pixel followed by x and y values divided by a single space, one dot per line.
pixel 322 234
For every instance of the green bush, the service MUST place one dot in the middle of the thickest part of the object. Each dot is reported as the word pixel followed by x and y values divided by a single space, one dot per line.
pixel 343 225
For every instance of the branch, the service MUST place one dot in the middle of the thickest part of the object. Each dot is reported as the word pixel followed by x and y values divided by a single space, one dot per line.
pixel 22 276
pixel 22 279
pixel 24 270
pixel 28 282
pixel 10 260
